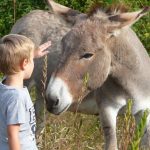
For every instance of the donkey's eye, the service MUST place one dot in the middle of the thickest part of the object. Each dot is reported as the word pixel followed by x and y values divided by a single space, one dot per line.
pixel 87 55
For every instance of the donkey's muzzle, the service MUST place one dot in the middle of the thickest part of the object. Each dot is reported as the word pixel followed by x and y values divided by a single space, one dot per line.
pixel 51 104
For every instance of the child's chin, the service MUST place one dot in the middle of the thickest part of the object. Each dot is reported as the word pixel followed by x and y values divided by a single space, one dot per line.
pixel 27 77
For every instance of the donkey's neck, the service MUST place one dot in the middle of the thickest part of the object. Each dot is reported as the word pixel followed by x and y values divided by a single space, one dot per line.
pixel 130 63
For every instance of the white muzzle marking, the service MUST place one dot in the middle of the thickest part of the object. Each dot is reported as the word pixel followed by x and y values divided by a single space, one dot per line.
pixel 58 89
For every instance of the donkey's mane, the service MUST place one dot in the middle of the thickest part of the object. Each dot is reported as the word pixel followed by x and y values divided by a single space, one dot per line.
pixel 106 11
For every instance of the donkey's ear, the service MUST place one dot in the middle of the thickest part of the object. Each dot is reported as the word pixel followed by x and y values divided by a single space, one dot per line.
pixel 125 20
pixel 67 13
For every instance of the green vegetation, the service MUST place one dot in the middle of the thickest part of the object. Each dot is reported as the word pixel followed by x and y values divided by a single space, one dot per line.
pixel 139 132
pixel 11 10
pixel 132 134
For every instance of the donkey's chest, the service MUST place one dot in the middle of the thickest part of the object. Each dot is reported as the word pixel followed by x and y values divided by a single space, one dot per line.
pixel 117 96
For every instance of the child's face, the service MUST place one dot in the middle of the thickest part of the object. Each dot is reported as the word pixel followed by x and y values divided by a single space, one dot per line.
pixel 29 68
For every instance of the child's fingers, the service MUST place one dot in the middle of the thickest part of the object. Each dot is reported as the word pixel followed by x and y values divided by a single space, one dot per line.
pixel 45 45
pixel 45 53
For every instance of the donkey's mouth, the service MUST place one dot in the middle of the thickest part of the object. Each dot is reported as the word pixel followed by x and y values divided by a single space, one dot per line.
pixel 57 111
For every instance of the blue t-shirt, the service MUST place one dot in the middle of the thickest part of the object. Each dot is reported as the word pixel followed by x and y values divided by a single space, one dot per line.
pixel 16 107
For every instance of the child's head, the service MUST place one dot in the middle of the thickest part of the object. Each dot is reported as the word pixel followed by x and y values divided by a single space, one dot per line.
pixel 15 51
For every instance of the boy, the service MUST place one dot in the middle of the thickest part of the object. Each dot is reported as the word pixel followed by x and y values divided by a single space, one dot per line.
pixel 17 116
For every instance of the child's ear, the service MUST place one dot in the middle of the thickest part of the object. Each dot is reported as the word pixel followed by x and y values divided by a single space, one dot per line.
pixel 24 64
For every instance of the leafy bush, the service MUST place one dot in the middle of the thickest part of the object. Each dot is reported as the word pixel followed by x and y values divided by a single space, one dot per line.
pixel 10 11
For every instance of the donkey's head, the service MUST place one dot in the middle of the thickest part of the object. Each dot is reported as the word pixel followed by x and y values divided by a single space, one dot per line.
pixel 86 57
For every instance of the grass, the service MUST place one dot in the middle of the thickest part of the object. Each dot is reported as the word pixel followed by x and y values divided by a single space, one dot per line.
pixel 71 131
pixel 65 132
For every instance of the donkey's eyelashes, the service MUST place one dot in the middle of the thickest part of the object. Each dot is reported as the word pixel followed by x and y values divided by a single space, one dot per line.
pixel 86 56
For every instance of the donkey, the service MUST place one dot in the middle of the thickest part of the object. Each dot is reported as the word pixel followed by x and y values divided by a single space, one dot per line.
pixel 103 47
pixel 41 26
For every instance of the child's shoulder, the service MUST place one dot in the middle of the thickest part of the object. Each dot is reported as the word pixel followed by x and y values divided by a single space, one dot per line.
pixel 10 93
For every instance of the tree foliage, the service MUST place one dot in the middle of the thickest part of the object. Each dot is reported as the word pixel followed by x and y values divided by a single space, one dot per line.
pixel 11 10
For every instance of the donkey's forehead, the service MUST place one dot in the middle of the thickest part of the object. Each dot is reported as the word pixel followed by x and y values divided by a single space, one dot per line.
pixel 90 25
pixel 91 29
pixel 90 33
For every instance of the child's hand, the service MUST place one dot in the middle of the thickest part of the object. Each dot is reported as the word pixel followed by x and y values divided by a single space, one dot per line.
pixel 42 50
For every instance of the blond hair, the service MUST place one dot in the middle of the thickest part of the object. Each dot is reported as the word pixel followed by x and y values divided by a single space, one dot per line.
pixel 14 49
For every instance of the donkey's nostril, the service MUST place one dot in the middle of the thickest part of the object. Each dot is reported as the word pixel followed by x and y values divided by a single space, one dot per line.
pixel 57 102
